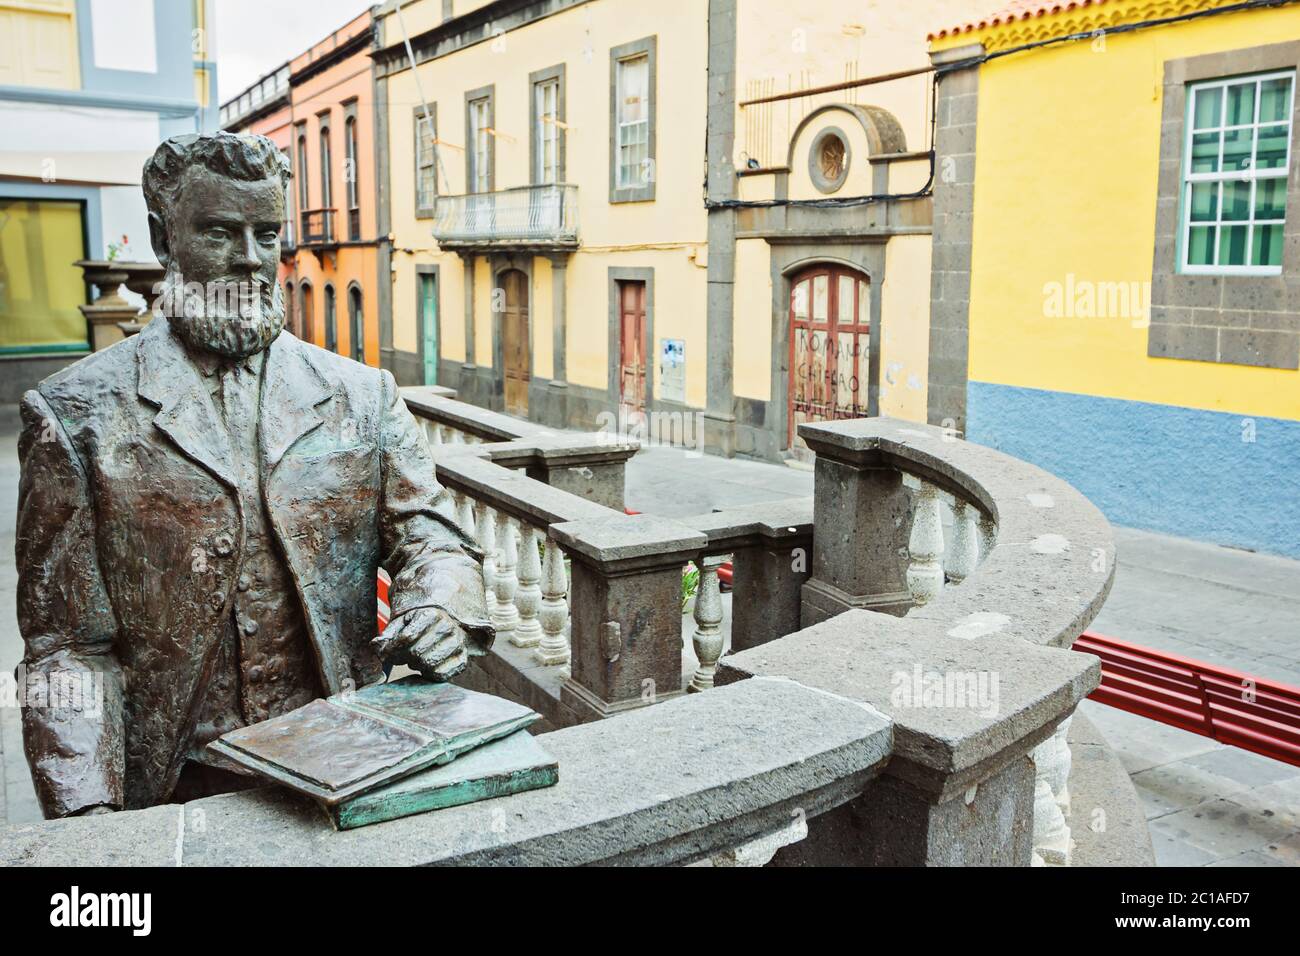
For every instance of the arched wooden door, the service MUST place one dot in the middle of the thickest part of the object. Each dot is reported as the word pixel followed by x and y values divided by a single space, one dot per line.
pixel 830 347
pixel 514 340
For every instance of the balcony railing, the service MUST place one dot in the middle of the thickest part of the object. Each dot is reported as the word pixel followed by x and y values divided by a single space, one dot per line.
pixel 317 227
pixel 525 216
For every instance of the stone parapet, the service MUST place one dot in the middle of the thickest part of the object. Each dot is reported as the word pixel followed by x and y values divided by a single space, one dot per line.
pixel 677 783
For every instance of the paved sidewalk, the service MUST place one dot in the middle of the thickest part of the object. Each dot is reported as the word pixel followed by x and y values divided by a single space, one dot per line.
pixel 1206 804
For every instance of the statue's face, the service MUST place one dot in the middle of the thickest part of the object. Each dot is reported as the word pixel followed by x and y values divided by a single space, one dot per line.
pixel 223 251
pixel 226 230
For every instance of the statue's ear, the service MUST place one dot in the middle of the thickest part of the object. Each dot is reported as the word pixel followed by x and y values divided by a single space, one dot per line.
pixel 158 237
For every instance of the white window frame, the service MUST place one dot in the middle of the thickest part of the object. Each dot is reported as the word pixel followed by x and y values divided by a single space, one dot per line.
pixel 480 145
pixel 351 145
pixel 425 161
pixel 1252 174
pixel 624 64
pixel 548 130
pixel 325 145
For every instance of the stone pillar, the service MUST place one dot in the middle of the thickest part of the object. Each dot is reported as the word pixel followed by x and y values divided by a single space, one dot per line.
pixel 954 204
pixel 766 589
pixel 719 411
pixel 626 610
pixel 860 524
pixel 593 473
pixel 896 824
pixel 557 396
pixel 467 380
pixel 960 787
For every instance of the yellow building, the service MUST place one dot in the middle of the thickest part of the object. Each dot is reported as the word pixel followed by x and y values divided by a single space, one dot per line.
pixel 1117 256
pixel 697 211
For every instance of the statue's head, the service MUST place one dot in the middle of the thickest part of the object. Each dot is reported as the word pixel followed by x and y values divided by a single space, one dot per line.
pixel 216 203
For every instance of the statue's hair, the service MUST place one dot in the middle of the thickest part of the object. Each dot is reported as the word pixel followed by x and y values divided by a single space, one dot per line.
pixel 245 156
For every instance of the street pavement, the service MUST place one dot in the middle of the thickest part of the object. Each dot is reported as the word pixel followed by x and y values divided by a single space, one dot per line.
pixel 1206 804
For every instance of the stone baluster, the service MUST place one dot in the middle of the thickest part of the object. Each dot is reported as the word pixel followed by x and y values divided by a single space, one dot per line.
pixel 962 557
pixel 554 612
pixel 925 546
pixel 1051 772
pixel 465 515
pixel 435 433
pixel 528 597
pixel 988 534
pixel 1061 781
pixel 487 540
pixel 708 616
pixel 505 614
pixel 457 437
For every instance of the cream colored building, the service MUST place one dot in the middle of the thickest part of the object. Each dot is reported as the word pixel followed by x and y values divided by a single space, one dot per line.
pixel 595 215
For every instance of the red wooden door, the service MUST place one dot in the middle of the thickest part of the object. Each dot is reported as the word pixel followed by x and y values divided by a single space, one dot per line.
pixel 830 347
pixel 632 359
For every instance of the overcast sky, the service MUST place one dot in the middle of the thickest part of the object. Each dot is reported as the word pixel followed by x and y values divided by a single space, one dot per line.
pixel 255 36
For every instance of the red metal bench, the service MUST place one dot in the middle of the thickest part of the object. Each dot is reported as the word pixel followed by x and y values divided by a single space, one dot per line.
pixel 1229 706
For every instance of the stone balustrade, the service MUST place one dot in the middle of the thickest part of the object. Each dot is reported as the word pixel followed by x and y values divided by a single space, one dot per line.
pixel 933 733
pixel 449 422
pixel 910 526
pixel 1034 560
pixel 546 509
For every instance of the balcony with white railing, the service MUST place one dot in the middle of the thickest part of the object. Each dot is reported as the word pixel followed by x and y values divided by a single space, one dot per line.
pixel 532 217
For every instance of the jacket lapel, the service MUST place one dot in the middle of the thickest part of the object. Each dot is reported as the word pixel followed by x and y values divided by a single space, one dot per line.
pixel 292 390
pixel 169 379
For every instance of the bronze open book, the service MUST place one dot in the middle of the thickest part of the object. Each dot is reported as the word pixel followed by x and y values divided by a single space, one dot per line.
pixel 337 748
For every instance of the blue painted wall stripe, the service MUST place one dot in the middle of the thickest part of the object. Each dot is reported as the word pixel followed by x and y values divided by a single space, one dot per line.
pixel 1229 479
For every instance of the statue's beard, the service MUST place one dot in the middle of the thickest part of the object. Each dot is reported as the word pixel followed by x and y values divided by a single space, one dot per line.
pixel 235 319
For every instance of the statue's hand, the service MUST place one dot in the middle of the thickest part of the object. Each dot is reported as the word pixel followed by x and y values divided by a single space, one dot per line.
pixel 427 640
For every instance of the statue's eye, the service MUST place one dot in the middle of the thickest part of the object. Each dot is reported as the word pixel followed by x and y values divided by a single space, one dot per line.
pixel 218 232
pixel 268 237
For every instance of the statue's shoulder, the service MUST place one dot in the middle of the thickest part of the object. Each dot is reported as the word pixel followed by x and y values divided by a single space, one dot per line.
pixel 91 382
pixel 337 370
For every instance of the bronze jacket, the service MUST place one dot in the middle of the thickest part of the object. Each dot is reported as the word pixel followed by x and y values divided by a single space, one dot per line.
pixel 129 531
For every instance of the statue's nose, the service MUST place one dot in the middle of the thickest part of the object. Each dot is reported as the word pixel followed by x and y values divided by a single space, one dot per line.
pixel 246 257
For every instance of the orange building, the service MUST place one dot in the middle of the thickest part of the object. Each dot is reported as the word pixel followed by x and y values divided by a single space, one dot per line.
pixel 326 126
